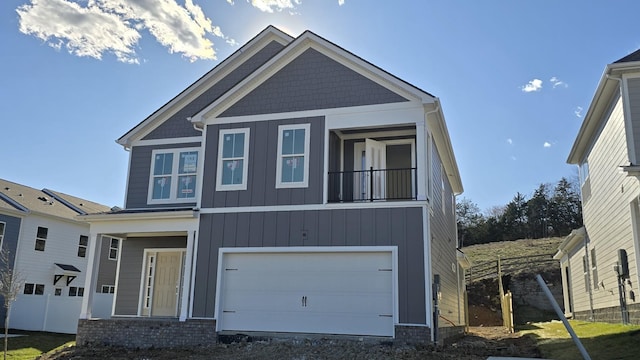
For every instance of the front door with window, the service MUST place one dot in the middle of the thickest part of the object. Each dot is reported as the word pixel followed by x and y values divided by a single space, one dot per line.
pixel 162 283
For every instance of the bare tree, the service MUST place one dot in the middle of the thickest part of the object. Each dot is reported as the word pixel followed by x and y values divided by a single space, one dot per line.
pixel 11 283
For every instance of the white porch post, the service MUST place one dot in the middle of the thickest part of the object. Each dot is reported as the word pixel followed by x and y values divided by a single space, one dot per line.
pixel 421 159
pixel 91 276
pixel 186 277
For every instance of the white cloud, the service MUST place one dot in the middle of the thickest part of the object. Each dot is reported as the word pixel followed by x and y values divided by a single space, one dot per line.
pixel 533 85
pixel 340 2
pixel 557 82
pixel 271 5
pixel 97 27
pixel 510 141
pixel 578 111
pixel 547 144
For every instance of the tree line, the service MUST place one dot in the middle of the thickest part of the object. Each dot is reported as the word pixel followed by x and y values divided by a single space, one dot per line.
pixel 551 211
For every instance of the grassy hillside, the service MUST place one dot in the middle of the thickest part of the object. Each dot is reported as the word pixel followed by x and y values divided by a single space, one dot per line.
pixel 510 249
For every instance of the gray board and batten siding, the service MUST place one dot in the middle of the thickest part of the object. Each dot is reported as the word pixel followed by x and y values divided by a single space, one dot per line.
pixel 131 261
pixel 261 177
pixel 10 243
pixel 140 170
pixel 178 126
pixel 633 86
pixel 309 82
pixel 401 227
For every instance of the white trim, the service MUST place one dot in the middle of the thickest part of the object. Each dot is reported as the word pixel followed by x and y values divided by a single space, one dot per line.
pixel 306 156
pixel 143 275
pixel 118 263
pixel 426 235
pixel 4 230
pixel 173 191
pixel 329 206
pixel 168 141
pixel 245 160
pixel 111 248
pixel 626 115
pixel 393 250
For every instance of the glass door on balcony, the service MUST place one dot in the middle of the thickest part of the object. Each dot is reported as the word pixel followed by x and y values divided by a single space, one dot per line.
pixel 368 184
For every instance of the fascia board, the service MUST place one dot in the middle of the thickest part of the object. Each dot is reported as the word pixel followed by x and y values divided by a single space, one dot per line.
pixel 201 85
pixel 19 207
pixel 294 49
pixel 443 143
pixel 570 242
pixel 15 212
pixel 95 218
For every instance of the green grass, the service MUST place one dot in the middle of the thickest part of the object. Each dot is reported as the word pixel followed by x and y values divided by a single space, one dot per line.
pixel 509 249
pixel 33 344
pixel 602 340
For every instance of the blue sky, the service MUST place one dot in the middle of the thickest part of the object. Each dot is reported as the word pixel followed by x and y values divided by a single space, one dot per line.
pixel 514 77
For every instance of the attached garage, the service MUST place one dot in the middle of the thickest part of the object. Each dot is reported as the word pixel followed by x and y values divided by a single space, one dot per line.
pixel 308 290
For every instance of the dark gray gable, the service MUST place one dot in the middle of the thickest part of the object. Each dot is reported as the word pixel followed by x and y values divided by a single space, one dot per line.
pixel 634 56
pixel 309 82
pixel 178 126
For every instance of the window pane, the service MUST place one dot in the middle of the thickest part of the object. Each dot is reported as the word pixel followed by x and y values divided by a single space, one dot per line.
pixel 188 162
pixel 58 292
pixel 287 142
pixel 1 229
pixel 28 289
pixel 232 172
pixel 292 169
pixel 73 291
pixel 84 240
pixel 82 251
pixel 113 254
pixel 40 245
pixel 114 243
pixel 227 146
pixel 39 289
pixel 42 232
pixel 162 187
pixel 187 187
pixel 81 291
pixel 238 146
pixel 298 144
pixel 163 164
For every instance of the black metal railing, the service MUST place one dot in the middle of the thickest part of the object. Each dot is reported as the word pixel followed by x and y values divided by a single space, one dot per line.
pixel 372 185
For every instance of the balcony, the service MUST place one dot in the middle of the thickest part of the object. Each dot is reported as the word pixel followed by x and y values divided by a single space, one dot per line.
pixel 372 185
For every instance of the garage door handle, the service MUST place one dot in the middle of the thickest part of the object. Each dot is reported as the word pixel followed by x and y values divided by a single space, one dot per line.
pixel 304 301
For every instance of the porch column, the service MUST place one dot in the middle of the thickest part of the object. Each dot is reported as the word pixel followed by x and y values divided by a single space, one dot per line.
pixel 421 160
pixel 91 275
pixel 186 277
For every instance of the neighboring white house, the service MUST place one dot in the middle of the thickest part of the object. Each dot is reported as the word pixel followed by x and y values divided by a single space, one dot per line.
pixel 599 261
pixel 48 249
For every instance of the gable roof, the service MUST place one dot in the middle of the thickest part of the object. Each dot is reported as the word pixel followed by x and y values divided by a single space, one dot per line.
pixel 608 87
pixel 231 63
pixel 294 49
pixel 21 199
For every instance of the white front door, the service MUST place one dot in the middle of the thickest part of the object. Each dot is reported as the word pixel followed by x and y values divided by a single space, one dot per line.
pixel 324 292
pixel 376 158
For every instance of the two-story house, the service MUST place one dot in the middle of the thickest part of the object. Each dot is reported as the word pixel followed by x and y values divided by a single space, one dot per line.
pixel 294 188
pixel 46 247
pixel 600 261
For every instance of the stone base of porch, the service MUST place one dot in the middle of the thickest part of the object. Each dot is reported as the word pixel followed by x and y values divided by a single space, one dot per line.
pixel 146 333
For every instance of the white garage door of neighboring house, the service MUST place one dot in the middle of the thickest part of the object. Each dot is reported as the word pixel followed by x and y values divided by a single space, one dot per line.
pixel 323 292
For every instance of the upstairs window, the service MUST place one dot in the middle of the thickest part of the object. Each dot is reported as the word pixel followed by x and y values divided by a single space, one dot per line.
pixel 584 172
pixel 233 162
pixel 173 175
pixel 82 246
pixel 292 169
pixel 41 238
pixel 594 270
pixel 2 226
pixel 113 249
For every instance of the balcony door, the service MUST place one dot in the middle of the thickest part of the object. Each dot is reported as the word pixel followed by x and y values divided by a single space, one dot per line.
pixel 370 185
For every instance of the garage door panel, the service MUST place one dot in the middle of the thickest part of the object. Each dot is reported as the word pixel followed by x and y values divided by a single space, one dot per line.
pixel 336 293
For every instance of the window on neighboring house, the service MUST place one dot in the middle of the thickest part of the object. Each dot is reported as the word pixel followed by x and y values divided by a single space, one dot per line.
pixel 108 289
pixel 33 289
pixel 57 292
pixel 2 226
pixel 173 175
pixel 41 238
pixel 113 249
pixel 584 172
pixel 585 269
pixel 76 291
pixel 292 169
pixel 594 269
pixel 233 159
pixel 82 245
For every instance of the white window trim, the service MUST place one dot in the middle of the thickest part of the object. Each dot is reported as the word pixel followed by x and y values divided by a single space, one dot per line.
pixel 307 137
pixel 4 230
pixel 117 249
pixel 245 161
pixel 173 196
pixel 86 247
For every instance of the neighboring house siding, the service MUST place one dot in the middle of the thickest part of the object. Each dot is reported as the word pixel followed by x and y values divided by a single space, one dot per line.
pixel 178 126
pixel 132 259
pixel 263 150
pixel 107 267
pixel 140 170
pixel 312 81
pixel 9 243
pixel 401 227
pixel 443 244
pixel 579 292
pixel 633 87
pixel 607 214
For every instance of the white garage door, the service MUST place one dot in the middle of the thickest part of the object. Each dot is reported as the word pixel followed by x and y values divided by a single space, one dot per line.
pixel 328 292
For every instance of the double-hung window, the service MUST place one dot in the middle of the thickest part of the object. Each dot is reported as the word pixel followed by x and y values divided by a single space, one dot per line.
pixel 41 238
pixel 113 249
pixel 233 159
pixel 292 168
pixel 82 245
pixel 173 175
